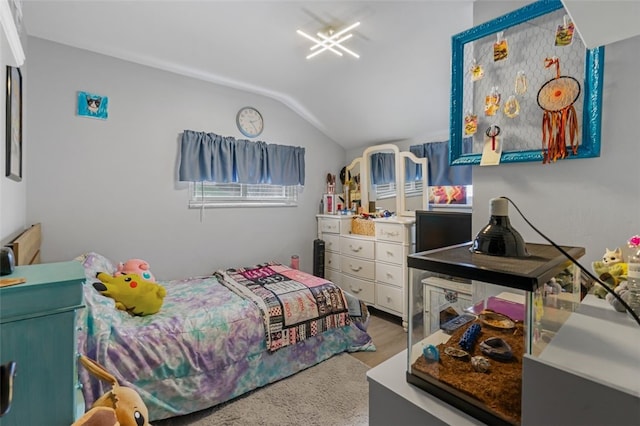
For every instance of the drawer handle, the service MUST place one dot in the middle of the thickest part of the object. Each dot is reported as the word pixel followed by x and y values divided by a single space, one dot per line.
pixel 355 249
pixel 389 275
pixel 388 299
pixel 389 254
pixel 329 262
pixel 355 269
pixel 391 234
pixel 355 290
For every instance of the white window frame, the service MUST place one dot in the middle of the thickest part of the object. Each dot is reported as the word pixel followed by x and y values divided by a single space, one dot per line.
pixel 214 195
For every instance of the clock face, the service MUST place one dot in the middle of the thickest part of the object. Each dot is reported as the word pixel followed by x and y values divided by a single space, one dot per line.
pixel 249 122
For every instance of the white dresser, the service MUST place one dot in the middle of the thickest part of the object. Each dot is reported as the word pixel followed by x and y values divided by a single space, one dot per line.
pixel 372 268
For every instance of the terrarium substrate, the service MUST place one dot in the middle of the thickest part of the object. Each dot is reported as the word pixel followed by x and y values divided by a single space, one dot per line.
pixel 499 389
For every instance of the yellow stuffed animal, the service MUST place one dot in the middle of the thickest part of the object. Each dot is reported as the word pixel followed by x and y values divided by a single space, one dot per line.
pixel 121 406
pixel 132 293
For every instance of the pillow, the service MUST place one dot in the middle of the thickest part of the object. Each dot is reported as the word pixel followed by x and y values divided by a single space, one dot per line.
pixel 94 263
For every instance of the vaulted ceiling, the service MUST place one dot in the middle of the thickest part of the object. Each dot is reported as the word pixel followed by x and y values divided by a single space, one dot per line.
pixel 398 89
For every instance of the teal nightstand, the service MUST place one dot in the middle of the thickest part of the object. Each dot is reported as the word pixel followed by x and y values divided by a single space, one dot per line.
pixel 37 331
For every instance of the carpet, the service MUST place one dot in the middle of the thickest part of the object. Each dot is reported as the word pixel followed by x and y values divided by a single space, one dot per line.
pixel 334 392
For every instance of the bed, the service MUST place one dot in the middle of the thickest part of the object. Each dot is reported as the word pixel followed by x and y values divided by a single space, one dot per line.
pixel 216 337
pixel 26 246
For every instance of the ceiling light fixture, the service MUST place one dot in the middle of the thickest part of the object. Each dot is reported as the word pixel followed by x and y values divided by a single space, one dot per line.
pixel 329 41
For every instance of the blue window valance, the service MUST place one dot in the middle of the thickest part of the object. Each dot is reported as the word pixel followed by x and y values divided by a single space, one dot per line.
pixel 208 157
pixel 383 168
pixel 440 172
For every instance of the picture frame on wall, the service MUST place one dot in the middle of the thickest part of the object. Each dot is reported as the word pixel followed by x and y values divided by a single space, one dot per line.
pixel 14 124
pixel 92 105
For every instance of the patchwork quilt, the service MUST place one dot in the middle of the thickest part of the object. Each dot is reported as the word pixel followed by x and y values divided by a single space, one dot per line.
pixel 295 305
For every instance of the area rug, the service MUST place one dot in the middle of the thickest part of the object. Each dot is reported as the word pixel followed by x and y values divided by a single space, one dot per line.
pixel 334 392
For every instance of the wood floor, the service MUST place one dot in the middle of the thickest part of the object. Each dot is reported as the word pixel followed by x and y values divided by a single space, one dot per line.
pixel 388 336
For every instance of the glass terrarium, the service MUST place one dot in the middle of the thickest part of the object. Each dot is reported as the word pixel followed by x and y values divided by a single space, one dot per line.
pixel 473 317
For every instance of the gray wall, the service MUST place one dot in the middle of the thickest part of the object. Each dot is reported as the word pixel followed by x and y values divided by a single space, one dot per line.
pixel 110 186
pixel 592 203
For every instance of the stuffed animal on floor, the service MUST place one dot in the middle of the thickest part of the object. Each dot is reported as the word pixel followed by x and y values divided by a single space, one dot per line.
pixel 612 269
pixel 135 266
pixel 121 406
pixel 132 293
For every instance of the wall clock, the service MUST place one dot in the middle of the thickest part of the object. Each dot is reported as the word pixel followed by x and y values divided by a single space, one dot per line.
pixel 250 122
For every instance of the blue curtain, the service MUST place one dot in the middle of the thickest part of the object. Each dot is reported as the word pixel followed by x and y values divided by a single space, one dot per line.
pixel 383 168
pixel 223 159
pixel 440 172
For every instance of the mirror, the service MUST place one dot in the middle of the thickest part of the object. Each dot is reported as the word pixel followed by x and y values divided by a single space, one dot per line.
pixel 521 73
pixel 413 192
pixel 351 184
pixel 401 168
pixel 369 194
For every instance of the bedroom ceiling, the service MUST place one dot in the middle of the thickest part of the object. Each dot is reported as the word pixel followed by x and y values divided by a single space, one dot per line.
pixel 398 88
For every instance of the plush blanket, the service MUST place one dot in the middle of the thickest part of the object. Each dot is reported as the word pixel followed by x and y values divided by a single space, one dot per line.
pixel 294 305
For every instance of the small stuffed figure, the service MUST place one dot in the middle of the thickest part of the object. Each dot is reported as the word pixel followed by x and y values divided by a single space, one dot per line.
pixel 611 270
pixel 131 293
pixel 621 290
pixel 135 266
pixel 121 406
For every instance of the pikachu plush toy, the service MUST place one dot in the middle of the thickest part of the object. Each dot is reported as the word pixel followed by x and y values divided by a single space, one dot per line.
pixel 132 293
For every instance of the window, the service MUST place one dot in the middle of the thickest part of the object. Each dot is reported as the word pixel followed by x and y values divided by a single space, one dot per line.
pixel 209 194
pixel 438 195
pixel 225 172
pixel 388 190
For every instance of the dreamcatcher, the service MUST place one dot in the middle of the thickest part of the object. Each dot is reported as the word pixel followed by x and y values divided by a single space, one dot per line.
pixel 559 120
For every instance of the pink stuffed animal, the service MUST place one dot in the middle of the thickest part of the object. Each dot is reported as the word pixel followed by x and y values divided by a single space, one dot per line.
pixel 135 266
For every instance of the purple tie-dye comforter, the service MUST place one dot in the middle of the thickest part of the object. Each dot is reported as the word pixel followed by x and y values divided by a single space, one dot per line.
pixel 206 345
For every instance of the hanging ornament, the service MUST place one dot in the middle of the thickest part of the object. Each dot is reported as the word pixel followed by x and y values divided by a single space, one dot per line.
pixel 556 98
pixel 511 107
pixel 521 83
pixel 492 102
pixel 492 148
pixel 476 71
pixel 492 132
pixel 470 124
pixel 564 33
pixel 500 48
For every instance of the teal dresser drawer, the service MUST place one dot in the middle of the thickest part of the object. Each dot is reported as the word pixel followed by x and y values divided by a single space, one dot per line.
pixel 50 287
pixel 37 332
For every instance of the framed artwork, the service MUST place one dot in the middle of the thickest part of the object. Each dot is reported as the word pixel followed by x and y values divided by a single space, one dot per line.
pixel 14 124
pixel 525 88
pixel 93 106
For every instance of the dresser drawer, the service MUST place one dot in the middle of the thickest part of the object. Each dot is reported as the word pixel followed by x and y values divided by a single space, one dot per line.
pixel 390 232
pixel 333 276
pixel 390 274
pixel 389 297
pixel 332 260
pixel 392 253
pixel 359 247
pixel 329 225
pixel 362 289
pixel 358 267
pixel 331 242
